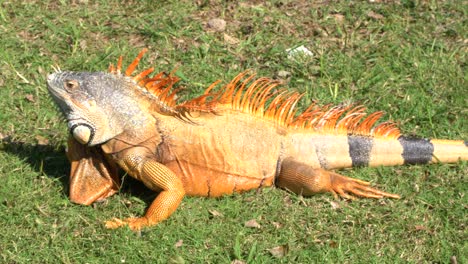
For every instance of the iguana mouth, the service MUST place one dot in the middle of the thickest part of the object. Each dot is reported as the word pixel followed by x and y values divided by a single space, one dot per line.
pixel 83 133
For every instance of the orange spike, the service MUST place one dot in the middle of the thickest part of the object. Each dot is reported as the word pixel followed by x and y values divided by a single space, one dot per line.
pixel 263 100
pixel 228 95
pixel 135 62
pixel 272 109
pixel 386 129
pixel 237 101
pixel 260 97
pixel 292 110
pixel 159 76
pixel 111 68
pixel 143 74
pixel 213 85
pixel 216 96
pixel 165 91
pixel 285 108
pixel 349 122
pixel 119 65
pixel 251 90
pixel 247 95
pixel 317 117
pixel 365 126
pixel 322 122
pixel 170 97
pixel 332 122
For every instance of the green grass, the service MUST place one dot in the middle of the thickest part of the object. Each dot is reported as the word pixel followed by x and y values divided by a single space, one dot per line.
pixel 407 58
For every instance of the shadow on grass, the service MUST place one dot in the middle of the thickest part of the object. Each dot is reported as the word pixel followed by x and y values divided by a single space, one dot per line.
pixel 52 162
pixel 45 159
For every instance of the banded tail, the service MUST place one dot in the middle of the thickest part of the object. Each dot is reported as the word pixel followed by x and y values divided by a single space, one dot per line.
pixel 369 151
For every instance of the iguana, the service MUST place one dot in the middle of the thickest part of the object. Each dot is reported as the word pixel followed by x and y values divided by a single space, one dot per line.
pixel 243 136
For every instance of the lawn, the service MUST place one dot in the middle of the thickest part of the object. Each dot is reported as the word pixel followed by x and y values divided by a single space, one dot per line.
pixel 407 58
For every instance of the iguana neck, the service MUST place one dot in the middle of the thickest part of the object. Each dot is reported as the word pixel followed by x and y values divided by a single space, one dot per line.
pixel 131 108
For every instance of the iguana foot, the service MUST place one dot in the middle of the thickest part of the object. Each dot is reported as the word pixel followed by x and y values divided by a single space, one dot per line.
pixel 306 180
pixel 134 223
pixel 344 186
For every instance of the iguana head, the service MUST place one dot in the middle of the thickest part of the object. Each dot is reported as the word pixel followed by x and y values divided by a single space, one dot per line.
pixel 98 106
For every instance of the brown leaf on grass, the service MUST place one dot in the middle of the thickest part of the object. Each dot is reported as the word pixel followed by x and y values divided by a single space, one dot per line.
pixel 374 15
pixel 252 223
pixel 277 225
pixel 335 205
pixel 215 213
pixel 83 44
pixel 282 74
pixel 453 260
pixel 30 98
pixel 279 251
pixel 217 24
pixel 136 40
pixel 236 261
pixel 339 18
pixel 2 136
pixel 176 260
pixel 179 243
pixel 42 140
pixel 420 227
pixel 249 199
pixel 231 40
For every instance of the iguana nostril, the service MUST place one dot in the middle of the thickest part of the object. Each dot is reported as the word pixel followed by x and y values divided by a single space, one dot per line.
pixel 50 77
pixel 82 134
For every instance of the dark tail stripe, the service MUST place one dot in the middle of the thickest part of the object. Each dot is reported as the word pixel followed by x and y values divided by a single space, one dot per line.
pixel 359 150
pixel 321 157
pixel 466 143
pixel 416 151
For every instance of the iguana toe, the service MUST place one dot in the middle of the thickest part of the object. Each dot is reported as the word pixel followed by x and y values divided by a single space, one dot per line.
pixel 344 186
pixel 133 223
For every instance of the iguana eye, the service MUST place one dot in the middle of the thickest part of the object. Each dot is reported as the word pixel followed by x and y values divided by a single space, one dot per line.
pixel 71 85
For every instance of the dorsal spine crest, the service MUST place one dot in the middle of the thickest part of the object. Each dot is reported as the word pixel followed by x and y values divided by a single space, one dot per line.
pixel 261 98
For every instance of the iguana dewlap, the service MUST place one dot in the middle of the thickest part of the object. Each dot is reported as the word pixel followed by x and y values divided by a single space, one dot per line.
pixel 244 136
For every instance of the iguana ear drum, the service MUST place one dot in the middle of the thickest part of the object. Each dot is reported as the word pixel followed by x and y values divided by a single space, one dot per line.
pixel 83 133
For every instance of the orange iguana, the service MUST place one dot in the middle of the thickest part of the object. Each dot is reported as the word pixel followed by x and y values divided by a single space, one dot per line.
pixel 244 136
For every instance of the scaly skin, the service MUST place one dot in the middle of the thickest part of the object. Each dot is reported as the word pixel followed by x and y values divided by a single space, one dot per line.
pixel 232 143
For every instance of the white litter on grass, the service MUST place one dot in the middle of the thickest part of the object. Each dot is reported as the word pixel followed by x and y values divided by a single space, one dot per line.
pixel 300 51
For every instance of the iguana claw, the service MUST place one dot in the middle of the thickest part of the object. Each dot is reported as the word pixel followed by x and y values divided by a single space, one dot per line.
pixel 344 186
pixel 134 223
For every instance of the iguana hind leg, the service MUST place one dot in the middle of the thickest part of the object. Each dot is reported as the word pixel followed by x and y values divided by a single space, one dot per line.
pixel 156 176
pixel 305 180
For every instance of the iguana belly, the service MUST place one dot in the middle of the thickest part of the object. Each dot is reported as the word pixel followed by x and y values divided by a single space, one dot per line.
pixel 200 181
pixel 216 158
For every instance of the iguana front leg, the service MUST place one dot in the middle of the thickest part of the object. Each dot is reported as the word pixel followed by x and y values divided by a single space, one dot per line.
pixel 156 176
pixel 305 180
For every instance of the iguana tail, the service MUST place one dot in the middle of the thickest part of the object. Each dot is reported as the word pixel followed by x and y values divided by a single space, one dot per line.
pixel 300 173
pixel 406 150
pixel 345 151
pixel 368 151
